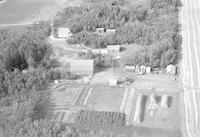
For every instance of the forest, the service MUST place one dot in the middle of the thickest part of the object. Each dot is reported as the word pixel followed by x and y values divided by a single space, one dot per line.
pixel 153 25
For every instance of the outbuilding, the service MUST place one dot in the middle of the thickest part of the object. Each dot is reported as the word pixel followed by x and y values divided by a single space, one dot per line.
pixel 113 82
pixel 64 33
pixel 164 101
pixel 129 68
pixel 171 69
pixel 82 67
pixel 148 70
pixel 113 48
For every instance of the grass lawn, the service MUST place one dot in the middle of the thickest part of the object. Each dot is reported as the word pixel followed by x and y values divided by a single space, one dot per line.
pixel 106 98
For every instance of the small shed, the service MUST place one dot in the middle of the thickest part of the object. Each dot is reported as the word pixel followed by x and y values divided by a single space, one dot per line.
pixel 82 67
pixel 148 70
pixel 143 69
pixel 164 101
pixel 64 33
pixel 171 69
pixel 112 82
pixel 113 48
pixel 129 68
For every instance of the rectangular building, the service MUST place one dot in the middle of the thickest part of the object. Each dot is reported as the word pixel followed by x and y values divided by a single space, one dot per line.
pixel 113 48
pixel 64 33
pixel 82 67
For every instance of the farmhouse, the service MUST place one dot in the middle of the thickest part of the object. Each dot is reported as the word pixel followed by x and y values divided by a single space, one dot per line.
pixel 82 67
pixel 113 48
pixel 64 33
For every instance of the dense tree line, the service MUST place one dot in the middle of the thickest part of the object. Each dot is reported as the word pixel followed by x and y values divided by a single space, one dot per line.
pixel 153 23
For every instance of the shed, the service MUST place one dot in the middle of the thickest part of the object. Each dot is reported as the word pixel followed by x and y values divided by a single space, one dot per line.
pixel 129 68
pixel 112 82
pixel 64 33
pixel 148 70
pixel 113 48
pixel 82 67
pixel 165 101
pixel 143 69
pixel 171 69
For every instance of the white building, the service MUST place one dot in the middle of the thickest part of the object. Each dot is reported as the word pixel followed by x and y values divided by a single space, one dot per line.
pixel 64 33
pixel 82 67
pixel 148 70
pixel 129 68
pixel 113 82
pixel 164 101
pixel 171 69
pixel 113 48
pixel 100 30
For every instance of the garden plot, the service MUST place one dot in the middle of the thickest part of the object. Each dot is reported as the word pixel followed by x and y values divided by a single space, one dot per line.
pixel 69 95
pixel 105 98
pixel 66 116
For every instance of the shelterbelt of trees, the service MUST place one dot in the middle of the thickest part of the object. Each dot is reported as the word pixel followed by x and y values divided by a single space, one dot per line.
pixel 152 24
pixel 25 71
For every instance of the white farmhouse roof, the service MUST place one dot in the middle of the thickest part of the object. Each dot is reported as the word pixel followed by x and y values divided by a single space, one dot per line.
pixel 64 32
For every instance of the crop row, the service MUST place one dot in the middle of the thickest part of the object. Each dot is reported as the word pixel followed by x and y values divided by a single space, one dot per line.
pixel 101 119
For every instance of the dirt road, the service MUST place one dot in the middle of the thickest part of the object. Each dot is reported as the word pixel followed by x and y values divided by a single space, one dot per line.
pixel 190 20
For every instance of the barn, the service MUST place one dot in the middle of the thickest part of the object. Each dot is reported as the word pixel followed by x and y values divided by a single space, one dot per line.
pixel 82 67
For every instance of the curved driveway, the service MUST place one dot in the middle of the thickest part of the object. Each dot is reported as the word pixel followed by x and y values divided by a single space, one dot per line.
pixel 190 20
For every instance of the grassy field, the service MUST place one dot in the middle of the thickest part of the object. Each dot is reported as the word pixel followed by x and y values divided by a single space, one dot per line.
pixel 104 98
